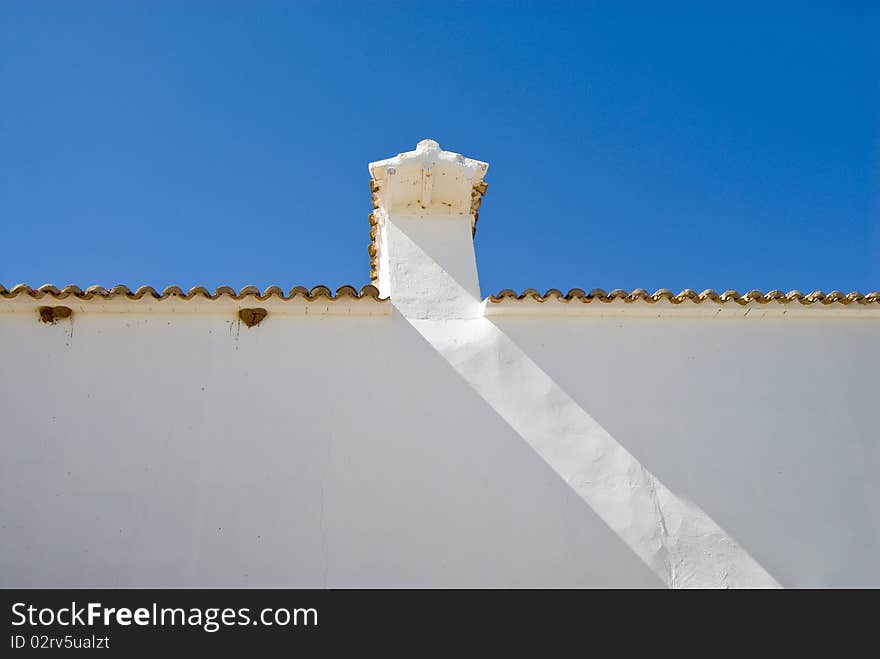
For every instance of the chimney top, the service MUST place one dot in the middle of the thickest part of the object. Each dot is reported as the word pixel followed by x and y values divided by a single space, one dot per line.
pixel 427 181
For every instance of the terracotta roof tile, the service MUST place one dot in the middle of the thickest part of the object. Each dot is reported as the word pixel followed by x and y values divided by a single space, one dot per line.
pixel 730 296
pixel 316 293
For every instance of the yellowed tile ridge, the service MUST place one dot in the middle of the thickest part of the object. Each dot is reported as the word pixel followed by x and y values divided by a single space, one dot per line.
pixel 175 292
pixel 688 295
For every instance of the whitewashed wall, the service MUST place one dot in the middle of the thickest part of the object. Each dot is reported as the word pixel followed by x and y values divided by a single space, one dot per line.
pixel 770 425
pixel 163 450
pixel 176 450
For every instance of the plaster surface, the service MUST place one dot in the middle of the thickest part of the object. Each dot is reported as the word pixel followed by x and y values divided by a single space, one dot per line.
pixel 766 423
pixel 682 545
pixel 186 450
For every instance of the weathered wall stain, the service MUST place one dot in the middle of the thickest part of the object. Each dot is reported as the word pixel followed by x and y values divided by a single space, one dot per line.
pixel 252 317
pixel 52 314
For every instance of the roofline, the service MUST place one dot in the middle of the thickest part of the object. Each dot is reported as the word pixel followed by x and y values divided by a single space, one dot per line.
pixel 688 295
pixel 709 303
pixel 175 292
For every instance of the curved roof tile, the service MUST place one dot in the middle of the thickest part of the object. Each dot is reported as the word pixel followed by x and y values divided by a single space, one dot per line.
pixel 709 295
pixel 316 293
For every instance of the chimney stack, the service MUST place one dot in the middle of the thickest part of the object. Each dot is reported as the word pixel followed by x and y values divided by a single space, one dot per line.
pixel 422 226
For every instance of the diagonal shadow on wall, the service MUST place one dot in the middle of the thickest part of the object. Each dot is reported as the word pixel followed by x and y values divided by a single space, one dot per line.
pixel 677 540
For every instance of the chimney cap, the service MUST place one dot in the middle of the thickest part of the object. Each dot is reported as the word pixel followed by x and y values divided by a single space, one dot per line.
pixel 427 180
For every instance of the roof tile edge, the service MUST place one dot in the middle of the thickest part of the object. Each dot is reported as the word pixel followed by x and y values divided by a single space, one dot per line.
pixel 316 293
pixel 709 295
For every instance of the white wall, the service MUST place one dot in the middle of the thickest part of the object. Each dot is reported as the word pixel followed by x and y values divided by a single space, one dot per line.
pixel 172 450
pixel 182 449
pixel 769 424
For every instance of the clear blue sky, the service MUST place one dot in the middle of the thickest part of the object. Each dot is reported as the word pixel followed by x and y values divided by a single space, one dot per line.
pixel 654 145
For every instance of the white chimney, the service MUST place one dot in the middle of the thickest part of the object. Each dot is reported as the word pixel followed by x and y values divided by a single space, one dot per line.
pixel 426 204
